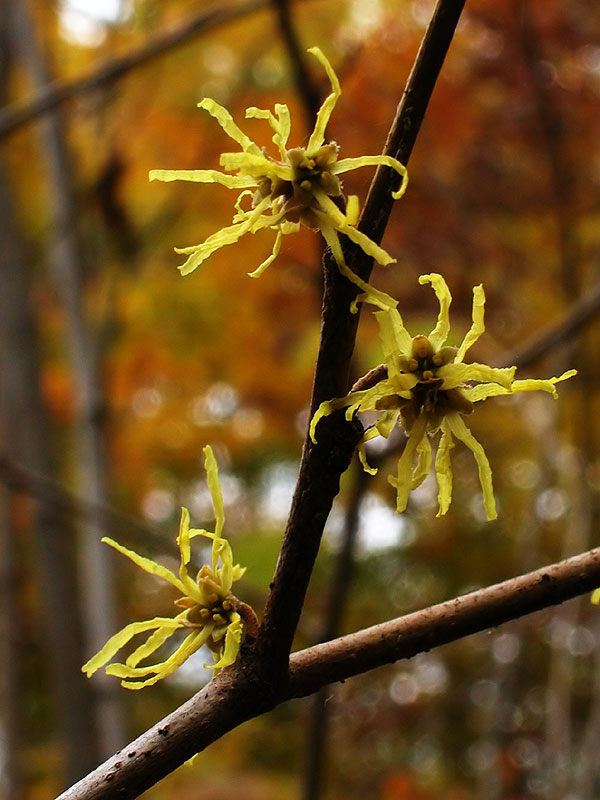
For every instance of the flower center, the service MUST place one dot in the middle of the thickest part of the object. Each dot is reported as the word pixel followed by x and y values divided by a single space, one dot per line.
pixel 424 360
pixel 428 395
pixel 218 613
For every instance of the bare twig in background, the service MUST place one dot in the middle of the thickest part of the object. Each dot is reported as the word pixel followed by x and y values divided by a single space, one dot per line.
pixel 124 526
pixel 235 695
pixel 53 95
pixel 575 318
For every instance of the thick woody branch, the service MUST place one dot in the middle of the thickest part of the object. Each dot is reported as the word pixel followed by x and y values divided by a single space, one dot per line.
pixel 446 622
pixel 237 695
pixel 323 464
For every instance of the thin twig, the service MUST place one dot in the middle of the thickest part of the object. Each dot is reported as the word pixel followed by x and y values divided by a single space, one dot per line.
pixel 58 92
pixel 310 96
pixel 575 318
pixel 22 479
pixel 235 695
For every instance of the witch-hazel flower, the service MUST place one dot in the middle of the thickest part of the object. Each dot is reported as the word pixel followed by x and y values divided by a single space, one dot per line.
pixel 426 386
pixel 280 194
pixel 209 611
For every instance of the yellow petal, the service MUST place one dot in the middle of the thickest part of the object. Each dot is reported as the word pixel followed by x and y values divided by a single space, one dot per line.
pixel 282 134
pixel 478 326
pixel 395 340
pixel 352 209
pixel 596 596
pixel 483 391
pixel 116 642
pixel 225 573
pixel 225 120
pixel 403 480
pixel 547 385
pixel 317 137
pixel 330 214
pixel 242 213
pixel 369 293
pixel 459 429
pixel 367 399
pixel 183 539
pixel 199 253
pixel 387 422
pixel 268 261
pixel 439 334
pixel 423 467
pixel 326 408
pixel 443 470
pixel 362 457
pixel 237 572
pixel 188 647
pixel 257 166
pixel 233 638
pixel 203 176
pixel 147 564
pixel 333 240
pixel 224 237
pixel 348 164
pixel 280 123
pixel 212 477
pixel 151 645
pixel 456 374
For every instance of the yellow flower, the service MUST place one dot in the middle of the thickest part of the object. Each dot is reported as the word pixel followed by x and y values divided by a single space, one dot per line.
pixel 596 596
pixel 209 609
pixel 428 388
pixel 281 194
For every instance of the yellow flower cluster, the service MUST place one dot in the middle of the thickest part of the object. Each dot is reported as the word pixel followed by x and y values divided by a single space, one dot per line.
pixel 428 388
pixel 282 193
pixel 424 384
pixel 209 609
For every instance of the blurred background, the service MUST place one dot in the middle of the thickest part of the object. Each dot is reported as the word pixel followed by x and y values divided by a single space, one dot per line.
pixel 115 371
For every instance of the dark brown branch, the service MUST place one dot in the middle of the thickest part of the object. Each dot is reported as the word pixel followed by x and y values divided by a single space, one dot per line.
pixel 322 464
pixel 407 123
pixel 57 93
pixel 235 696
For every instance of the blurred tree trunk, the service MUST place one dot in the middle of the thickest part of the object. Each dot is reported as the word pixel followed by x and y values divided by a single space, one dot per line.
pixel 67 263
pixel 313 779
pixel 11 782
pixel 26 438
